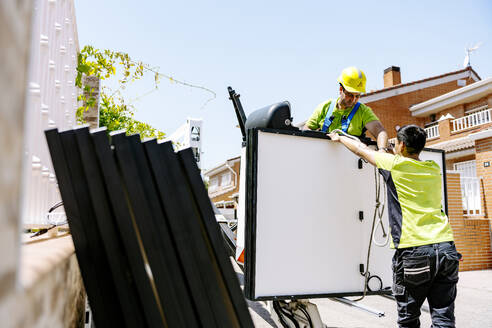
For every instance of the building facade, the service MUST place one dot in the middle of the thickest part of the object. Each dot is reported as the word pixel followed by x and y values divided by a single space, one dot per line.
pixel 223 186
pixel 391 104
pixel 455 109
pixel 464 132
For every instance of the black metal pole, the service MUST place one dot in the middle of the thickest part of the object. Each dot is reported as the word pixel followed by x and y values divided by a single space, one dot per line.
pixel 241 117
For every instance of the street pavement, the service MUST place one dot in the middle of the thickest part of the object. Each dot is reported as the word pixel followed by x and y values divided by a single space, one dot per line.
pixel 473 307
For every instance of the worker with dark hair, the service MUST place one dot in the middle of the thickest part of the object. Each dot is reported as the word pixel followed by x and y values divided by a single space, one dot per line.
pixel 346 112
pixel 425 263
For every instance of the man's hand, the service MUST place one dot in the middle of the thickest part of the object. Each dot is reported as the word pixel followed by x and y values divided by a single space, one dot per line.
pixel 334 136
pixel 354 146
pixel 387 150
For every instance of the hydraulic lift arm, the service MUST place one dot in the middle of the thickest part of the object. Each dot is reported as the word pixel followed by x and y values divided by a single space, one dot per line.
pixel 241 117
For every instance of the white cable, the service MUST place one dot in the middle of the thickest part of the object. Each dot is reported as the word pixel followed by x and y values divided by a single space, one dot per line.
pixel 346 135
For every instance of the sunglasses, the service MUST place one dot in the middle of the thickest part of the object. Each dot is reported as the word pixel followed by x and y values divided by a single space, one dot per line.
pixel 351 95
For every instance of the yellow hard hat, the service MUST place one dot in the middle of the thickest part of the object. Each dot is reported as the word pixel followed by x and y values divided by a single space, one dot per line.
pixel 353 80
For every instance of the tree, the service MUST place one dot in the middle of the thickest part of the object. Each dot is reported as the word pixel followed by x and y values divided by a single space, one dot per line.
pixel 114 112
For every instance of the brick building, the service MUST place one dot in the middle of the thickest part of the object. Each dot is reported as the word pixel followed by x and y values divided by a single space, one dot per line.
pixel 456 111
pixel 223 186
pixel 391 104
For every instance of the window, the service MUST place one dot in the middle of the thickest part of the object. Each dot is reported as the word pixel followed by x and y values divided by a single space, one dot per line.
pixel 470 187
pixel 466 169
pixel 214 184
pixel 225 179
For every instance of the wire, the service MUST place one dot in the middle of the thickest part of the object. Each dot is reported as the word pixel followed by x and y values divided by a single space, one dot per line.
pixel 380 212
pixel 380 283
pixel 276 307
pixel 290 316
pixel 53 225
pixel 346 134
pixel 367 274
pixel 302 307
pixel 54 207
pixel 171 79
pixel 186 84
pixel 379 209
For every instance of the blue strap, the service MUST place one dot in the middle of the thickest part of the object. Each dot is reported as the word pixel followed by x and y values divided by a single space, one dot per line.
pixel 346 122
pixel 329 117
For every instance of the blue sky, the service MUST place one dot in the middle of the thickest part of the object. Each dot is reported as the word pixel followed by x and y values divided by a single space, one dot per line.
pixel 271 51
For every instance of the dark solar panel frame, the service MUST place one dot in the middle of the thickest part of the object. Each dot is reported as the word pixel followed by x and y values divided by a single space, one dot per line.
pixel 149 248
pixel 108 193
pixel 191 246
pixel 89 249
pixel 206 214
pixel 97 207
pixel 173 292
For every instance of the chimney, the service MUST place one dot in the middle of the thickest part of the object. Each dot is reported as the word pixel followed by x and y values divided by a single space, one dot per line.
pixel 392 76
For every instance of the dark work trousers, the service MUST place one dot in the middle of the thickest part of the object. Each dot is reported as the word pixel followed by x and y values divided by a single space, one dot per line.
pixel 429 271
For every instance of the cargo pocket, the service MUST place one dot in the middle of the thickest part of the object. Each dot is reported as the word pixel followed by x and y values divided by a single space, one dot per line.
pixel 451 265
pixel 401 298
pixel 398 290
pixel 416 270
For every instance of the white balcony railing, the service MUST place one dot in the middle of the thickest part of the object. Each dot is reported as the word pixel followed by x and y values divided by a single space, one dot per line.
pixel 470 193
pixel 432 132
pixel 475 119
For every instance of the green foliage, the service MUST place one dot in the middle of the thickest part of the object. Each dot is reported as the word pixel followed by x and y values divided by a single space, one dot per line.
pixel 114 112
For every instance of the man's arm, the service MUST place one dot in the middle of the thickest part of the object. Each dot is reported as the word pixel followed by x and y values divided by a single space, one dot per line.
pixel 378 131
pixel 356 147
pixel 305 127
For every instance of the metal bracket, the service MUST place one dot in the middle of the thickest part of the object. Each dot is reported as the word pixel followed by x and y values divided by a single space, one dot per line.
pixel 359 306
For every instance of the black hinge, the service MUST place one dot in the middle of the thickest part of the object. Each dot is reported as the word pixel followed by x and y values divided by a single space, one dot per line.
pixel 361 216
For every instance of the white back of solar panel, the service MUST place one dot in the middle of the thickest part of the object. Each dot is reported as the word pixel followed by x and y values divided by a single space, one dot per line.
pixel 309 239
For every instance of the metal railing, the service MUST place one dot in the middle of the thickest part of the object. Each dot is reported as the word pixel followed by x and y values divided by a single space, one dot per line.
pixel 432 132
pixel 471 195
pixel 475 119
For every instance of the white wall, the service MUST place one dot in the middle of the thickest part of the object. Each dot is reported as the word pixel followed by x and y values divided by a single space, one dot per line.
pixel 15 18
pixel 51 101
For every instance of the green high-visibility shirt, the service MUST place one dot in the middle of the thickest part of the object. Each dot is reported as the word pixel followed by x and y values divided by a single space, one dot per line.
pixel 363 116
pixel 415 209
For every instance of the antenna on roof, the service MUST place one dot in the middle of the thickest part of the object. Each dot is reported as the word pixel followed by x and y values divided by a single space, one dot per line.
pixel 468 51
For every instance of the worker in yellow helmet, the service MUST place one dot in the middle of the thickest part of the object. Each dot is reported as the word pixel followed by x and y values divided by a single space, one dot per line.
pixel 346 112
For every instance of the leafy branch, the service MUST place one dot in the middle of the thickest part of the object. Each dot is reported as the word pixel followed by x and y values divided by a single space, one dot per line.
pixel 114 112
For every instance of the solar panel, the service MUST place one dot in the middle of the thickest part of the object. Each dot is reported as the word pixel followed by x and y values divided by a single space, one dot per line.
pixel 309 213
pixel 147 243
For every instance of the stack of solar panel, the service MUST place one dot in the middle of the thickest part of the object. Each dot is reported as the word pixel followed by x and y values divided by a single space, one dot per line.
pixel 149 248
